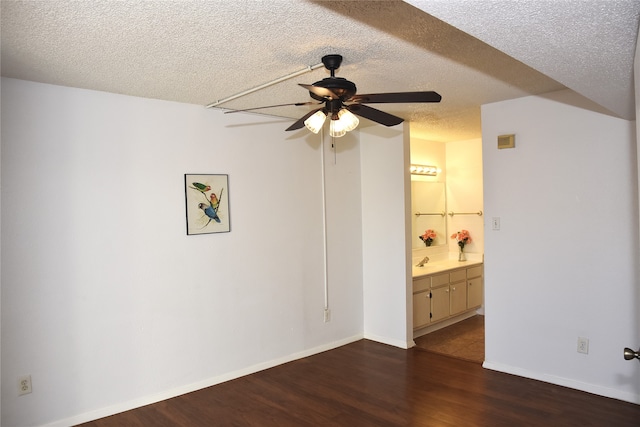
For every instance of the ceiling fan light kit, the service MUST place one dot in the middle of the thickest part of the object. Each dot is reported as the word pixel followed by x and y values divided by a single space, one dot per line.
pixel 315 122
pixel 348 120
pixel 335 130
pixel 342 104
pixel 342 122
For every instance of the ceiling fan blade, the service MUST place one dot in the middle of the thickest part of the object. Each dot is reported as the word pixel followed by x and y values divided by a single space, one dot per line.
pixel 320 91
pixel 297 104
pixel 300 123
pixel 397 97
pixel 374 115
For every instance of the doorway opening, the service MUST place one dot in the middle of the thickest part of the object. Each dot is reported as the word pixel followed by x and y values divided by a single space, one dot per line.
pixel 462 340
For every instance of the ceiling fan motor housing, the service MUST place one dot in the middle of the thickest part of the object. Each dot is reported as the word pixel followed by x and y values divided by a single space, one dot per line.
pixel 338 85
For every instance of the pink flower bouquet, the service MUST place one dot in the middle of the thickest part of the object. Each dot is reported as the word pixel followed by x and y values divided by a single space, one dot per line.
pixel 463 237
pixel 428 237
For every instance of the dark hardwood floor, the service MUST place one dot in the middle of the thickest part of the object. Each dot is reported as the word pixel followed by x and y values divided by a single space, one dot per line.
pixel 370 384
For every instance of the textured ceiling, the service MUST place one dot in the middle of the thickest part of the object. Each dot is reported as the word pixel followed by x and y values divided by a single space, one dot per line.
pixel 199 52
pixel 587 45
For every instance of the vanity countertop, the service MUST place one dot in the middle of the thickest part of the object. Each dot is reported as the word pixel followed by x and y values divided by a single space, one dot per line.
pixel 439 266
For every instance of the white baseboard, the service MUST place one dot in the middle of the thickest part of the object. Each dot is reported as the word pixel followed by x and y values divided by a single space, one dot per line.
pixel 168 394
pixel 565 382
pixel 393 342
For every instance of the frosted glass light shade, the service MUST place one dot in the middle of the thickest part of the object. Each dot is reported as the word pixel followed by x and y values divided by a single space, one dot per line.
pixel 315 122
pixel 348 120
pixel 336 129
pixel 345 121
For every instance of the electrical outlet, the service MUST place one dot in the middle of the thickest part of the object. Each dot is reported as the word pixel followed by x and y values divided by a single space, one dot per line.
pixel 327 315
pixel 583 345
pixel 24 385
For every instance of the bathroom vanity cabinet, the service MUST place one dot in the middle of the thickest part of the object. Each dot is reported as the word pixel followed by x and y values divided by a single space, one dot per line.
pixel 446 294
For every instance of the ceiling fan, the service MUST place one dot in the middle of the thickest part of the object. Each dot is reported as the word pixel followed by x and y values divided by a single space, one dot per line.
pixel 342 103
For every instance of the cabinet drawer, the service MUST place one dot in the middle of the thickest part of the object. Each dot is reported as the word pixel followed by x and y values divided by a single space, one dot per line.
pixel 439 280
pixel 474 271
pixel 458 275
pixel 421 284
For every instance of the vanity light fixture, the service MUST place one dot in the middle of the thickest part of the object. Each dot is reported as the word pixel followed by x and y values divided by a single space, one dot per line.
pixel 424 170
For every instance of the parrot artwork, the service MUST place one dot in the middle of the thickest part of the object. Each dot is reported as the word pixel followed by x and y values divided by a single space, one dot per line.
pixel 210 212
pixel 201 187
pixel 214 201
pixel 208 204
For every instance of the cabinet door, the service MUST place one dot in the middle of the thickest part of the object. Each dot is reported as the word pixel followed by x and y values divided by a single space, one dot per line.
pixel 474 291
pixel 439 303
pixel 421 309
pixel 458 297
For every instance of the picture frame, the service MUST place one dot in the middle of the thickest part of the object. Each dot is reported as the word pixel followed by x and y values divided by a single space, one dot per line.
pixel 207 203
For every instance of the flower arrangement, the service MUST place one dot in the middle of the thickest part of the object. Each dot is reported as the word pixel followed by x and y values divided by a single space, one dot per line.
pixel 428 237
pixel 463 237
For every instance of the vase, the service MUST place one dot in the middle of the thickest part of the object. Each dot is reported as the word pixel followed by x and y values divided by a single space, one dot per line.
pixel 461 255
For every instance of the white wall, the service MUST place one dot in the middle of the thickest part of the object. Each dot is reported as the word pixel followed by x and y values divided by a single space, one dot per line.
pixel 564 264
pixel 105 300
pixel 386 228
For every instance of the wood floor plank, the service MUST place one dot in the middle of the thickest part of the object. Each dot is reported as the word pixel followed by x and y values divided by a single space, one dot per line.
pixel 371 384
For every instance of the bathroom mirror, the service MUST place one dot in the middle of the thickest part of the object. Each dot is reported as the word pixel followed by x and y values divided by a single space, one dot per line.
pixel 428 212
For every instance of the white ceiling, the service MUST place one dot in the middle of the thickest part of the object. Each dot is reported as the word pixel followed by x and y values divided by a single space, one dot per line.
pixel 472 52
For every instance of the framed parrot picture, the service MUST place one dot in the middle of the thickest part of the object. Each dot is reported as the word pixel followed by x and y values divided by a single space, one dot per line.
pixel 207 200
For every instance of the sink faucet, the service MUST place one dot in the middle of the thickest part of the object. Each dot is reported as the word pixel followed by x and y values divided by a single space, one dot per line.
pixel 423 262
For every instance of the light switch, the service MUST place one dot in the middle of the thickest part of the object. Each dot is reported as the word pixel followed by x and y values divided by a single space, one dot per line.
pixel 495 223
